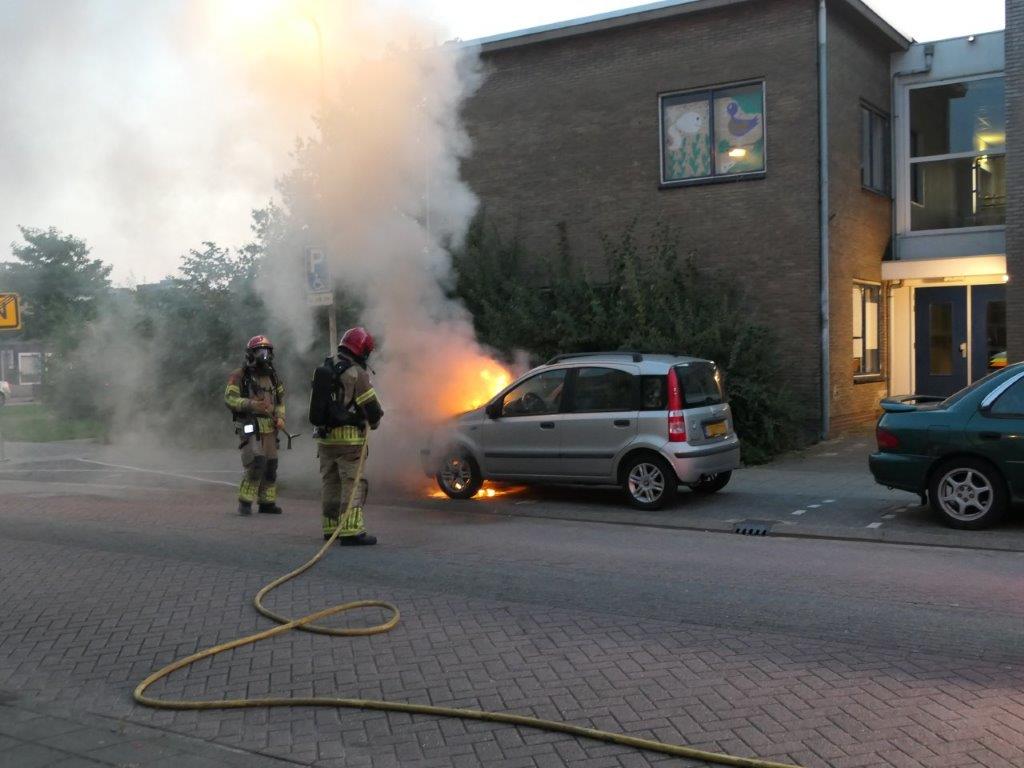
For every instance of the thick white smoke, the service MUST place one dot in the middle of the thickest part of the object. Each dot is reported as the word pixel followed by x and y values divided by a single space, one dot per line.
pixel 380 191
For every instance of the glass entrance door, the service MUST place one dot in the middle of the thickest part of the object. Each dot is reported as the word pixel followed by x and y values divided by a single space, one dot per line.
pixel 944 359
pixel 988 329
pixel 941 340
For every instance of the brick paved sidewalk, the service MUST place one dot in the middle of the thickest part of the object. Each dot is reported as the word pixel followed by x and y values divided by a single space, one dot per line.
pixel 37 735
pixel 82 624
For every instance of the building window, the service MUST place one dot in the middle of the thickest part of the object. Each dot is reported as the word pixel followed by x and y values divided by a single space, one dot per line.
pixel 958 155
pixel 867 360
pixel 30 368
pixel 874 150
pixel 712 134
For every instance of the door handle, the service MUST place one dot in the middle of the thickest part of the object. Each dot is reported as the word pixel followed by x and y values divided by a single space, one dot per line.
pixel 547 425
pixel 622 422
pixel 990 436
pixel 963 349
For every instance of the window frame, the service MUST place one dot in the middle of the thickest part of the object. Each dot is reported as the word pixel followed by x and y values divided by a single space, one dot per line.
pixel 879 375
pixel 913 163
pixel 993 397
pixel 866 163
pixel 710 91
pixel 25 356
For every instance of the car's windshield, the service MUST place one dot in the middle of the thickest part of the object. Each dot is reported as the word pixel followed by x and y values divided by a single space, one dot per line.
pixel 958 396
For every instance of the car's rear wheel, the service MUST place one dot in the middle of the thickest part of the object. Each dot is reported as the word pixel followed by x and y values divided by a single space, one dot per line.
pixel 711 483
pixel 968 493
pixel 649 482
pixel 459 476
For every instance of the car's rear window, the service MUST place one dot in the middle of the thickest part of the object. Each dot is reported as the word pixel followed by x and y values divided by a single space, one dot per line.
pixel 701 385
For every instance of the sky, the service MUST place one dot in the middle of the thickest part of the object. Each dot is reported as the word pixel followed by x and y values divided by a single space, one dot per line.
pixel 148 128
pixel 921 19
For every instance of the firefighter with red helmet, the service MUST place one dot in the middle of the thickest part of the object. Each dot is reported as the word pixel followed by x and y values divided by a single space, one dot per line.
pixel 341 444
pixel 255 396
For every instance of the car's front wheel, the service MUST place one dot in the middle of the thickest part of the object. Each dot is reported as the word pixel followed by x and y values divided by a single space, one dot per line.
pixel 711 483
pixel 968 493
pixel 649 482
pixel 459 476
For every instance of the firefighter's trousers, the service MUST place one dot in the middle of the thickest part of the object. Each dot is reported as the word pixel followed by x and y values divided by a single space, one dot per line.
pixel 259 462
pixel 338 464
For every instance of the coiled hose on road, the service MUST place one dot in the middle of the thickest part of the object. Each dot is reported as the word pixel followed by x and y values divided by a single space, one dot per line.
pixel 308 624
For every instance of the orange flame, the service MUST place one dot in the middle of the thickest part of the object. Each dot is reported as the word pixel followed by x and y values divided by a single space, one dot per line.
pixel 487 491
pixel 473 382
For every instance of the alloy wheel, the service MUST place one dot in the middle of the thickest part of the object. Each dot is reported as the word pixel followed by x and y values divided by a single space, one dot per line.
pixel 456 473
pixel 965 494
pixel 646 482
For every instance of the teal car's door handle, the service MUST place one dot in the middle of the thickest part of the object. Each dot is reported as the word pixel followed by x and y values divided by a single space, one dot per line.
pixel 990 436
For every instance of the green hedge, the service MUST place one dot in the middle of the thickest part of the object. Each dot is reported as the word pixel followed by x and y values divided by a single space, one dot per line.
pixel 652 299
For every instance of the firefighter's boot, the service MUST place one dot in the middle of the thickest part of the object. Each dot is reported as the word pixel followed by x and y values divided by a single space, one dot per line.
pixel 245 507
pixel 269 508
pixel 359 540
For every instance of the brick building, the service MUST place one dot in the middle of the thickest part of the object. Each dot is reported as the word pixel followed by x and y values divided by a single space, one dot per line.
pixel 708 115
pixel 1015 175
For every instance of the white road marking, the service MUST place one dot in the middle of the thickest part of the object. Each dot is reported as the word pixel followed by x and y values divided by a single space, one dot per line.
pixel 829 501
pixel 160 472
pixel 874 525
pixel 888 517
pixel 813 506
pixel 799 512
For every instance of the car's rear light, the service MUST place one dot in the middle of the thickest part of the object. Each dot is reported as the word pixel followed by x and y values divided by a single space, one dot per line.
pixel 887 441
pixel 676 422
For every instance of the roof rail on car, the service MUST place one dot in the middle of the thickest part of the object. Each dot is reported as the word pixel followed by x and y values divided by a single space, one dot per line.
pixel 637 356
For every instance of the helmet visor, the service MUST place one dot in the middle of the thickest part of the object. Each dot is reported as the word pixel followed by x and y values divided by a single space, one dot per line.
pixel 263 355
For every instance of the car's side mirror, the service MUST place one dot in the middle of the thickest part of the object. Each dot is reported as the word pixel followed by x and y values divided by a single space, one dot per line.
pixel 493 409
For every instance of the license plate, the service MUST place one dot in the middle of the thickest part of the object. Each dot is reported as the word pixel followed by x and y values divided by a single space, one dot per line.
pixel 715 429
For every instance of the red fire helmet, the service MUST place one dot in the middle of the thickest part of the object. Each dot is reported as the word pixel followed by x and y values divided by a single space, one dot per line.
pixel 358 341
pixel 259 342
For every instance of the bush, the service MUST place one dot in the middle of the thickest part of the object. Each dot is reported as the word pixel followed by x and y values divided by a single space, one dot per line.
pixel 653 300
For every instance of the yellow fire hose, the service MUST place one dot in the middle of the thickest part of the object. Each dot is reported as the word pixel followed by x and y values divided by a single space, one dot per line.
pixel 307 623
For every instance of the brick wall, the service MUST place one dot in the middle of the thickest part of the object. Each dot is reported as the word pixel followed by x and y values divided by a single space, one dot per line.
pixel 861 221
pixel 567 130
pixel 1015 176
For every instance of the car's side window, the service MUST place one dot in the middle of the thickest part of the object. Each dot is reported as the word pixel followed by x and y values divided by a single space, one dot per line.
pixel 604 389
pixel 1011 402
pixel 537 396
pixel 655 393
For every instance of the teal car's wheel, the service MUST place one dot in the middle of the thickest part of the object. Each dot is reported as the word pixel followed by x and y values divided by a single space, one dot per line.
pixel 968 493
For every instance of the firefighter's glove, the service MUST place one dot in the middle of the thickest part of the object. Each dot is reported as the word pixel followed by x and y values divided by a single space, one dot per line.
pixel 279 424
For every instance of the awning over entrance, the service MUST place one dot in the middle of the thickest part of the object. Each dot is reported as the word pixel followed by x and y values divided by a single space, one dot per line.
pixel 923 269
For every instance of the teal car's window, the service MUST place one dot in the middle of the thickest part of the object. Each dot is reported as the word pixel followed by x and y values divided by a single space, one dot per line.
pixel 1011 402
pixel 957 397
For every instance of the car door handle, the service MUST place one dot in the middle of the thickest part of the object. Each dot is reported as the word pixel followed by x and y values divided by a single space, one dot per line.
pixel 622 422
pixel 547 425
pixel 990 436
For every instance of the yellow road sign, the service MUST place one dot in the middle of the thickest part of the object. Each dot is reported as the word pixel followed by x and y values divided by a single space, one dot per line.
pixel 10 312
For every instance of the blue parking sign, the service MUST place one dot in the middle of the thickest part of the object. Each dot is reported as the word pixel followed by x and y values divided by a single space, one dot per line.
pixel 318 272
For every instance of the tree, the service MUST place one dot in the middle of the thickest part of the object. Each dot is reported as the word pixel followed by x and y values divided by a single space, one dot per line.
pixel 60 286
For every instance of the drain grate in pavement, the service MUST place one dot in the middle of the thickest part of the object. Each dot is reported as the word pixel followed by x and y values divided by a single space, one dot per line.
pixel 754 527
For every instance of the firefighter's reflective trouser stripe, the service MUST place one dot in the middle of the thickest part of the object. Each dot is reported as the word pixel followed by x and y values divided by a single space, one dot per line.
pixel 344 436
pixel 259 460
pixel 338 464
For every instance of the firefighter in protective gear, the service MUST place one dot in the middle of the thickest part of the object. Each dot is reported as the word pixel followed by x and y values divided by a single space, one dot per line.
pixel 340 447
pixel 255 396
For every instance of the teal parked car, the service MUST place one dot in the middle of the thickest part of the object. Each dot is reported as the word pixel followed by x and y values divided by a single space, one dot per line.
pixel 964 454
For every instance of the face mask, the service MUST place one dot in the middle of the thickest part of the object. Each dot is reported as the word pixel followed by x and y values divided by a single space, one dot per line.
pixel 263 356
